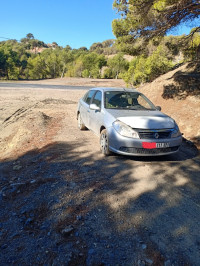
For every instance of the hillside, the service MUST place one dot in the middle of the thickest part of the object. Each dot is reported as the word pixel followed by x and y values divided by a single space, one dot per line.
pixel 178 93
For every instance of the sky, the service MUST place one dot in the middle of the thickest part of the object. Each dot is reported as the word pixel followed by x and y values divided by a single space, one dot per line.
pixel 76 23
pixel 68 22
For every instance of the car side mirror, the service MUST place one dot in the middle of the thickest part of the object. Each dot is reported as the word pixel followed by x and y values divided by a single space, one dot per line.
pixel 93 106
pixel 158 108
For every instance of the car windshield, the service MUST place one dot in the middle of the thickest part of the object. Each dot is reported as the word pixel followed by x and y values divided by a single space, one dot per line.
pixel 127 100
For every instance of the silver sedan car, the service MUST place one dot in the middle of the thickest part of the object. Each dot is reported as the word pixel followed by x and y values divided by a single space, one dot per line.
pixel 127 123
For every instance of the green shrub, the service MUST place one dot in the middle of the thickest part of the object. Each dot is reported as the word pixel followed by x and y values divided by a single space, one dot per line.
pixel 85 73
pixel 107 73
pixel 95 73
pixel 147 69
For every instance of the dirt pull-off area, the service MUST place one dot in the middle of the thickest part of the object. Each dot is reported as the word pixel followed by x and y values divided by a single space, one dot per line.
pixel 63 203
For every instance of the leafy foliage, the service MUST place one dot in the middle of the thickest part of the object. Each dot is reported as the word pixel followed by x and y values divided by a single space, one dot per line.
pixel 192 49
pixel 117 65
pixel 147 69
pixel 33 59
pixel 152 18
pixel 107 47
pixel 10 63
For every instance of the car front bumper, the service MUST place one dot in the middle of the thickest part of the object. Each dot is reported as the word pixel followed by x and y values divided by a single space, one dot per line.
pixel 130 146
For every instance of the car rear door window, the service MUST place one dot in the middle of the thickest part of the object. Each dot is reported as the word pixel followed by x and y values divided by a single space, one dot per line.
pixel 89 96
pixel 97 99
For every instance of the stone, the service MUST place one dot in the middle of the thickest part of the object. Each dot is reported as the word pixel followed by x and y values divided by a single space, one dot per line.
pixel 149 261
pixel 17 167
pixel 167 263
pixel 141 263
pixel 144 246
pixel 91 251
pixel 4 246
pixel 79 218
pixel 68 230
pixel 28 221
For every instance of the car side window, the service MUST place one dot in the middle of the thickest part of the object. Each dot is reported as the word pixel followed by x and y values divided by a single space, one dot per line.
pixel 85 96
pixel 97 99
pixel 89 96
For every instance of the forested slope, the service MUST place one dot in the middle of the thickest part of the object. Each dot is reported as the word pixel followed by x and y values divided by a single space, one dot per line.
pixel 32 59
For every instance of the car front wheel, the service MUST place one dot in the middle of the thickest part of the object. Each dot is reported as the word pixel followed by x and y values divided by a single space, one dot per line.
pixel 104 145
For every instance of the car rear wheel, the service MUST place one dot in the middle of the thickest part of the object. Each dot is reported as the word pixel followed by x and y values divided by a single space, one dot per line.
pixel 81 125
pixel 104 145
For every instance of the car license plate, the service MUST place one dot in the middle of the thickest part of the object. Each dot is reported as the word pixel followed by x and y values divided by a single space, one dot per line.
pixel 162 145
pixel 154 145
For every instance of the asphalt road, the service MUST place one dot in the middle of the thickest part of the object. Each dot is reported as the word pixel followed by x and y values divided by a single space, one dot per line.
pixel 18 85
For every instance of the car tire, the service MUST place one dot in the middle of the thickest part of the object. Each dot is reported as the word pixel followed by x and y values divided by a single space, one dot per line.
pixel 81 125
pixel 104 144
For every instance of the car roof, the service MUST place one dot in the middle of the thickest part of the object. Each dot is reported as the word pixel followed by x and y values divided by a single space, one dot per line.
pixel 114 89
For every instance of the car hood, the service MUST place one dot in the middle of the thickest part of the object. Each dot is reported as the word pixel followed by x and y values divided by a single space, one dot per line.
pixel 143 119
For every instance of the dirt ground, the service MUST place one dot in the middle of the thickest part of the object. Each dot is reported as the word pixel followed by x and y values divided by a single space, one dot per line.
pixel 63 203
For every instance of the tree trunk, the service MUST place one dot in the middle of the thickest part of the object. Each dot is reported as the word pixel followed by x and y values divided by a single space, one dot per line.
pixel 63 72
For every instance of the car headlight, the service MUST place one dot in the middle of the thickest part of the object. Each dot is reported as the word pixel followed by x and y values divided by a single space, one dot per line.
pixel 175 132
pixel 125 130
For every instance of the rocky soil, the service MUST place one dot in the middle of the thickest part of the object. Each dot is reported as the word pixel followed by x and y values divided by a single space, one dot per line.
pixel 63 203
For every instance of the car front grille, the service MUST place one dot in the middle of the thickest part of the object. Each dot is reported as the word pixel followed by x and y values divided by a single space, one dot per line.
pixel 154 134
pixel 149 151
